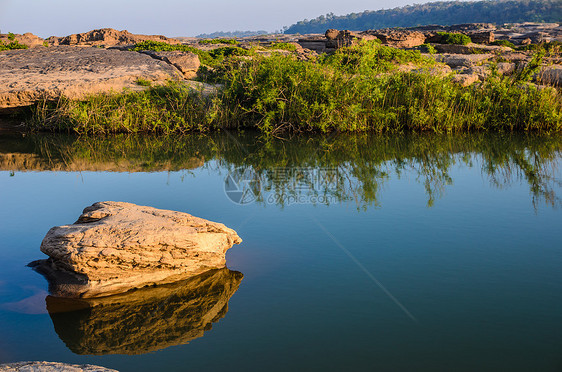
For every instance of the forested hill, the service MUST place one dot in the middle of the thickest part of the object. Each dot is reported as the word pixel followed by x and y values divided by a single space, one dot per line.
pixel 441 13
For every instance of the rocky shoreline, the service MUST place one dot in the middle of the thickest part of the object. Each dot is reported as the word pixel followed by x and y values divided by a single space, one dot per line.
pixel 99 61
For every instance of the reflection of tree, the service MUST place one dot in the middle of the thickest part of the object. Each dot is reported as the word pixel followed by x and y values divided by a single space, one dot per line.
pixel 363 162
pixel 144 320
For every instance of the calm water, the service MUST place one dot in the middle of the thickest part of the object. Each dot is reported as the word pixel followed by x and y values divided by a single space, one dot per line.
pixel 430 253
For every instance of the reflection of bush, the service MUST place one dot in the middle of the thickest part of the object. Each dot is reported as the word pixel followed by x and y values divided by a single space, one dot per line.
pixel 144 320
pixel 363 162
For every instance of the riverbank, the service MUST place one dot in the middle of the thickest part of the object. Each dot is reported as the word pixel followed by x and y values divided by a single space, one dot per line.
pixel 360 84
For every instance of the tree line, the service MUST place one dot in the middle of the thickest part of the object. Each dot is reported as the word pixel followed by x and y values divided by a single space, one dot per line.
pixel 441 13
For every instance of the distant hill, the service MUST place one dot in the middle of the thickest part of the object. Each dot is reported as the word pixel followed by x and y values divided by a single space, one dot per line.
pixel 232 34
pixel 442 13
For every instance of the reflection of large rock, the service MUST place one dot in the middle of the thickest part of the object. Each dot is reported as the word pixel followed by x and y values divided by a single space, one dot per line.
pixel 116 246
pixel 144 320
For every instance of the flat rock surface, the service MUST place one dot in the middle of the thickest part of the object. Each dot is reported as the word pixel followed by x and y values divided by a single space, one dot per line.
pixel 116 246
pixel 51 367
pixel 29 75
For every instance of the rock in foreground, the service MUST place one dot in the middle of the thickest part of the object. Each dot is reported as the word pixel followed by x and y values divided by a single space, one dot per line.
pixel 116 246
pixel 51 367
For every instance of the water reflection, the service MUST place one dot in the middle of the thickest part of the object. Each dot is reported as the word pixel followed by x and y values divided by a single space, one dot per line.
pixel 315 169
pixel 144 320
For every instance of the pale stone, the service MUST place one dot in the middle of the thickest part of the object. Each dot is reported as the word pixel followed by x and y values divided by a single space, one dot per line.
pixel 117 246
pixel 465 79
pixel 458 60
pixel 551 75
pixel 51 367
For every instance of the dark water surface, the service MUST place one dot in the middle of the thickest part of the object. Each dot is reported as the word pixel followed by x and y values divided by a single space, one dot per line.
pixel 416 253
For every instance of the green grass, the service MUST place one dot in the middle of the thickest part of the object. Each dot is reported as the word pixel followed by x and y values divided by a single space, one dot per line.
pixel 282 46
pixel 355 89
pixel 219 41
pixel 454 38
pixel 209 58
pixel 161 109
pixel 506 43
pixel 143 82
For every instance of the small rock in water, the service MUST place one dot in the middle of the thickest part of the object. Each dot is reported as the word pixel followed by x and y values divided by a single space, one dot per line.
pixel 116 246
pixel 51 367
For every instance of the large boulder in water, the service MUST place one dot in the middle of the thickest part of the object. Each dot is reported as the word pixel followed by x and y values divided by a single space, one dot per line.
pixel 116 246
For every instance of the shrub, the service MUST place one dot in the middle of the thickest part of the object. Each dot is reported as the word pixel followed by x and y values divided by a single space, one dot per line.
pixel 506 43
pixel 428 48
pixel 454 38
pixel 12 45
pixel 219 41
pixel 283 46
pixel 210 58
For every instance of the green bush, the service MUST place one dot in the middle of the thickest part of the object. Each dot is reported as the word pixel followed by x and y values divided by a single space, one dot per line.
pixel 371 57
pixel 506 43
pixel 207 57
pixel 454 38
pixel 283 46
pixel 12 45
pixel 219 41
pixel 427 48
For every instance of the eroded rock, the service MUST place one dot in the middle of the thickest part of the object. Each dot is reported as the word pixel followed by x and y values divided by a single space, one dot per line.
pixel 458 60
pixel 28 39
pixel 107 37
pixel 338 39
pixel 398 38
pixel 465 79
pixel 117 246
pixel 551 75
pixel 186 62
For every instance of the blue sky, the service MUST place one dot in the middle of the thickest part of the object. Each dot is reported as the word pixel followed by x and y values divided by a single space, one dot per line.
pixel 169 17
